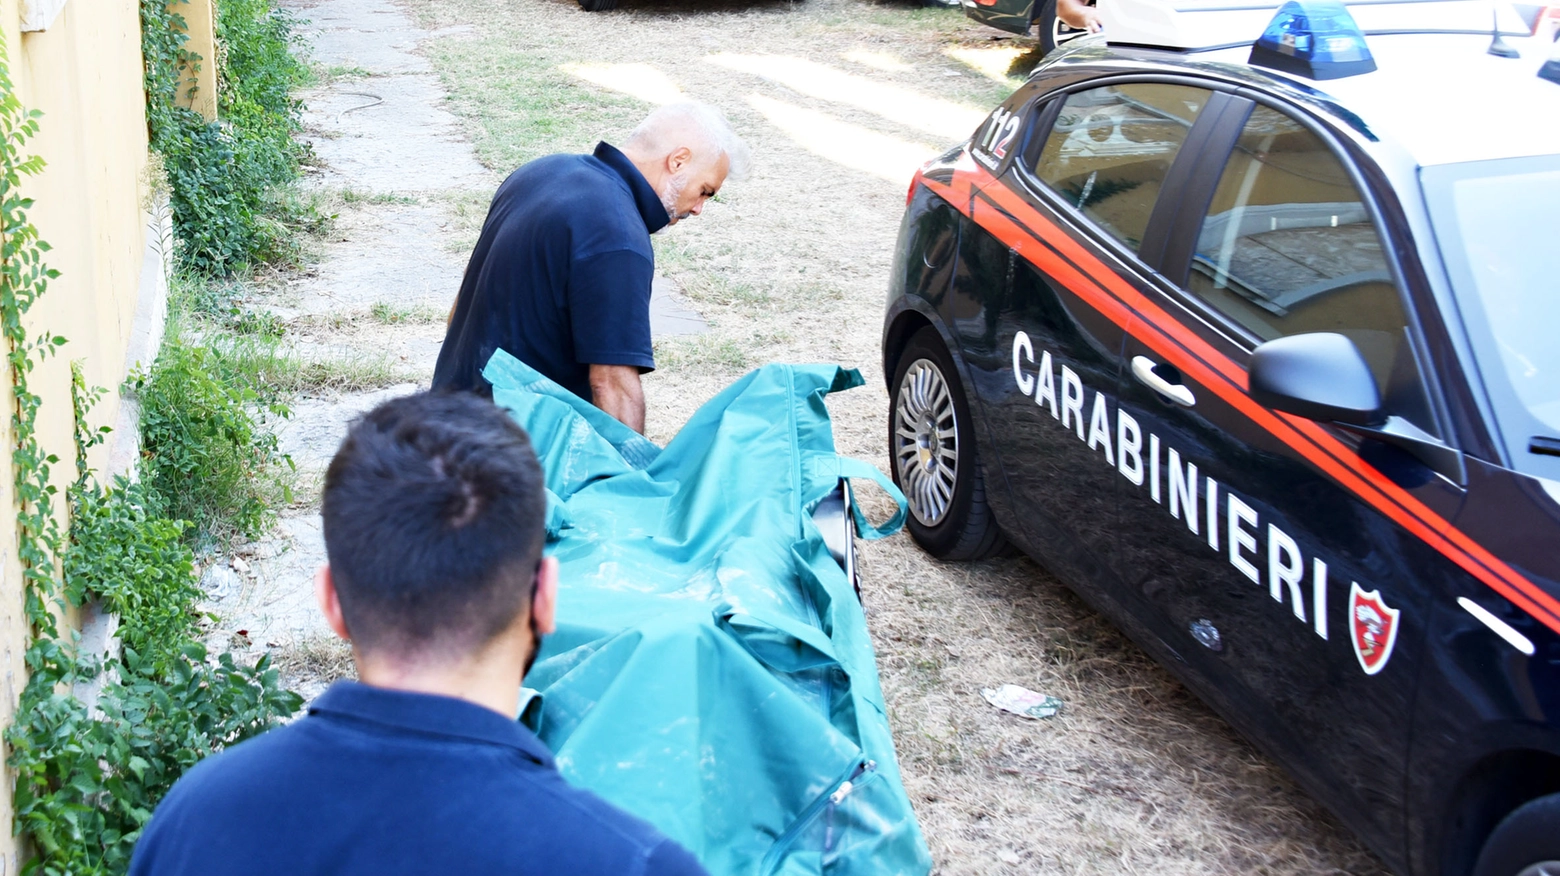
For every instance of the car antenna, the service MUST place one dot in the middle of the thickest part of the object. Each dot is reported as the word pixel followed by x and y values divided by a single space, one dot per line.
pixel 1498 46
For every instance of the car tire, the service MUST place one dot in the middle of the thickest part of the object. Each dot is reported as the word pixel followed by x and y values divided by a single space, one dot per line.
pixel 1525 843
pixel 1045 27
pixel 605 5
pixel 933 457
pixel 1051 31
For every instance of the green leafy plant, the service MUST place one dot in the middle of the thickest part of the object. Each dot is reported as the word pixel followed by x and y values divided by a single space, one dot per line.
pixel 87 782
pixel 256 322
pixel 230 181
pixel 89 776
pixel 23 279
pixel 206 454
pixel 136 562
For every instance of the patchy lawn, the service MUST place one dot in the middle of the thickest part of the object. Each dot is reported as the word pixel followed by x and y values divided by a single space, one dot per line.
pixel 841 99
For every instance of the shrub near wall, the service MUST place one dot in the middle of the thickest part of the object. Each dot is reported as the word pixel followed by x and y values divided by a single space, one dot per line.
pixel 230 180
pixel 89 776
pixel 207 455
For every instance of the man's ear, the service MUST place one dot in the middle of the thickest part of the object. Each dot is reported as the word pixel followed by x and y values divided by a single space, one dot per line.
pixel 544 602
pixel 330 603
pixel 679 160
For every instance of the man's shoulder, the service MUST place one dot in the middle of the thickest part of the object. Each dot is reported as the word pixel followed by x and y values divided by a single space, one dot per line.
pixel 616 834
pixel 564 174
pixel 313 786
pixel 577 196
pixel 254 761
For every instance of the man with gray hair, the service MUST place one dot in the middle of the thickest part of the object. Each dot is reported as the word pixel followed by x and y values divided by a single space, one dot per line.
pixel 560 277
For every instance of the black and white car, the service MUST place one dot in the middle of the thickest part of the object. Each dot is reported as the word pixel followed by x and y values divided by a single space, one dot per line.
pixel 1256 344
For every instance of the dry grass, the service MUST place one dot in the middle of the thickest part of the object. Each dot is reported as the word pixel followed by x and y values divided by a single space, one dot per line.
pixel 792 265
pixel 310 664
pixel 284 369
pixel 466 212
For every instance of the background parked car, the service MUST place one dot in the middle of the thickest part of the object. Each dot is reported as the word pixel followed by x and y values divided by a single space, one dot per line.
pixel 1024 17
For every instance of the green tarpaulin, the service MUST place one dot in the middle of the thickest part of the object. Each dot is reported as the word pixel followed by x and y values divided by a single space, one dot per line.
pixel 711 671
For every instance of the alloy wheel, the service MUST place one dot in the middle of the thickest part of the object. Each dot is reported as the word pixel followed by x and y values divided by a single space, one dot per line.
pixel 926 442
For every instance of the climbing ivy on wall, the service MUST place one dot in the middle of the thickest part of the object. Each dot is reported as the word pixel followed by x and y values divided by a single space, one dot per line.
pixel 230 180
pixel 88 778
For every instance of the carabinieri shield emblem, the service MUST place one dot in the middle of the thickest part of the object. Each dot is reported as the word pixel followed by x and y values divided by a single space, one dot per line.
pixel 1373 628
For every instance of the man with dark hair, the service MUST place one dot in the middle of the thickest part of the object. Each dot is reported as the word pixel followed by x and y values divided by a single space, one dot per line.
pixel 433 511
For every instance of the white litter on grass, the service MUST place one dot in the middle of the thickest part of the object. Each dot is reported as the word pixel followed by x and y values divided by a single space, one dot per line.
pixel 1022 701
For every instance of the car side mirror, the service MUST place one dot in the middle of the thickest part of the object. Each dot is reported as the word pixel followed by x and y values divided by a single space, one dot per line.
pixel 1319 376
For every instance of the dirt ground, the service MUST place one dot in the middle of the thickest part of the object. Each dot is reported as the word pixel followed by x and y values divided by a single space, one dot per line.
pixel 840 100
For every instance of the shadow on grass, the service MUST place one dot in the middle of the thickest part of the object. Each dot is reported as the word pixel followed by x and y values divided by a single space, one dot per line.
pixel 1025 63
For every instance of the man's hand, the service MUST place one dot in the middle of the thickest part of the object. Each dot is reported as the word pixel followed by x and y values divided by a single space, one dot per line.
pixel 616 390
pixel 1076 13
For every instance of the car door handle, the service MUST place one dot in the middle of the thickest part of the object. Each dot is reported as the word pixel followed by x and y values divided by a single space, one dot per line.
pixel 1143 370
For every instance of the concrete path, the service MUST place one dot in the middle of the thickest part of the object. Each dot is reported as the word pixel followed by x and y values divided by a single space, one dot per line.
pixel 396 158
pixel 398 161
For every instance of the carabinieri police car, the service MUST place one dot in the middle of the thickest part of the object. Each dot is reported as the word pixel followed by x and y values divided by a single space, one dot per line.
pixel 1247 326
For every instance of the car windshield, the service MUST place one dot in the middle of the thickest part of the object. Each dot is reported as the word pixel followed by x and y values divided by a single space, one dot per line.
pixel 1498 223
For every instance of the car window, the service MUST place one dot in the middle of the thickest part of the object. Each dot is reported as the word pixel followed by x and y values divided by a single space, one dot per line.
pixel 1495 221
pixel 1110 148
pixel 1288 247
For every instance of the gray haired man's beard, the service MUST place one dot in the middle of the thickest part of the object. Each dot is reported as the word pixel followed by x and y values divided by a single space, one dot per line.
pixel 674 190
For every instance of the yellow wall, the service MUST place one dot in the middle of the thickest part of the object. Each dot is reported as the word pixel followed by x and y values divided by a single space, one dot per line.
pixel 199 91
pixel 84 73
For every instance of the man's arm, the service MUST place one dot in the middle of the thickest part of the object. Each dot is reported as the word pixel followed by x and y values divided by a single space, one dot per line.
pixel 616 390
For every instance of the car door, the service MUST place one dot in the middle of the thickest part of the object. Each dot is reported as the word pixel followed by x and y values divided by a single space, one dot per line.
pixel 1068 213
pixel 1015 16
pixel 1261 540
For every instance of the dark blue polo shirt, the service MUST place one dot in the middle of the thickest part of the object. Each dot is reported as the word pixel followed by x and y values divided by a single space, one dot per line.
pixel 379 782
pixel 560 277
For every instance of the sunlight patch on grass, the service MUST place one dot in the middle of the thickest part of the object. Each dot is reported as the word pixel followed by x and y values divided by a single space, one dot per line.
pixel 940 118
pixel 640 81
pixel 993 63
pixel 851 145
pixel 878 61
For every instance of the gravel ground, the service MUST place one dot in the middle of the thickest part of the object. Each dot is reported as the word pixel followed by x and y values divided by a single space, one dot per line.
pixel 840 99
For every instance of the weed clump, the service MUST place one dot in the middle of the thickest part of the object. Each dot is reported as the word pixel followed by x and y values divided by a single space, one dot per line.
pixel 206 455
pixel 230 181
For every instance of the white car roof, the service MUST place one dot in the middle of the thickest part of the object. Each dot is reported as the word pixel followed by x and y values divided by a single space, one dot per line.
pixel 1441 96
pixel 1204 24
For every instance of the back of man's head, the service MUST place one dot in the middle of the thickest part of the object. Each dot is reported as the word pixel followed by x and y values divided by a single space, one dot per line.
pixel 434 511
pixel 700 127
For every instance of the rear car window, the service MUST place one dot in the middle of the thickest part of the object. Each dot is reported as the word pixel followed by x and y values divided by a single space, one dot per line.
pixel 1110 148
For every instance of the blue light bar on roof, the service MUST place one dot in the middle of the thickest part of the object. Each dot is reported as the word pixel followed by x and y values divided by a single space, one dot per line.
pixel 1551 68
pixel 1317 39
